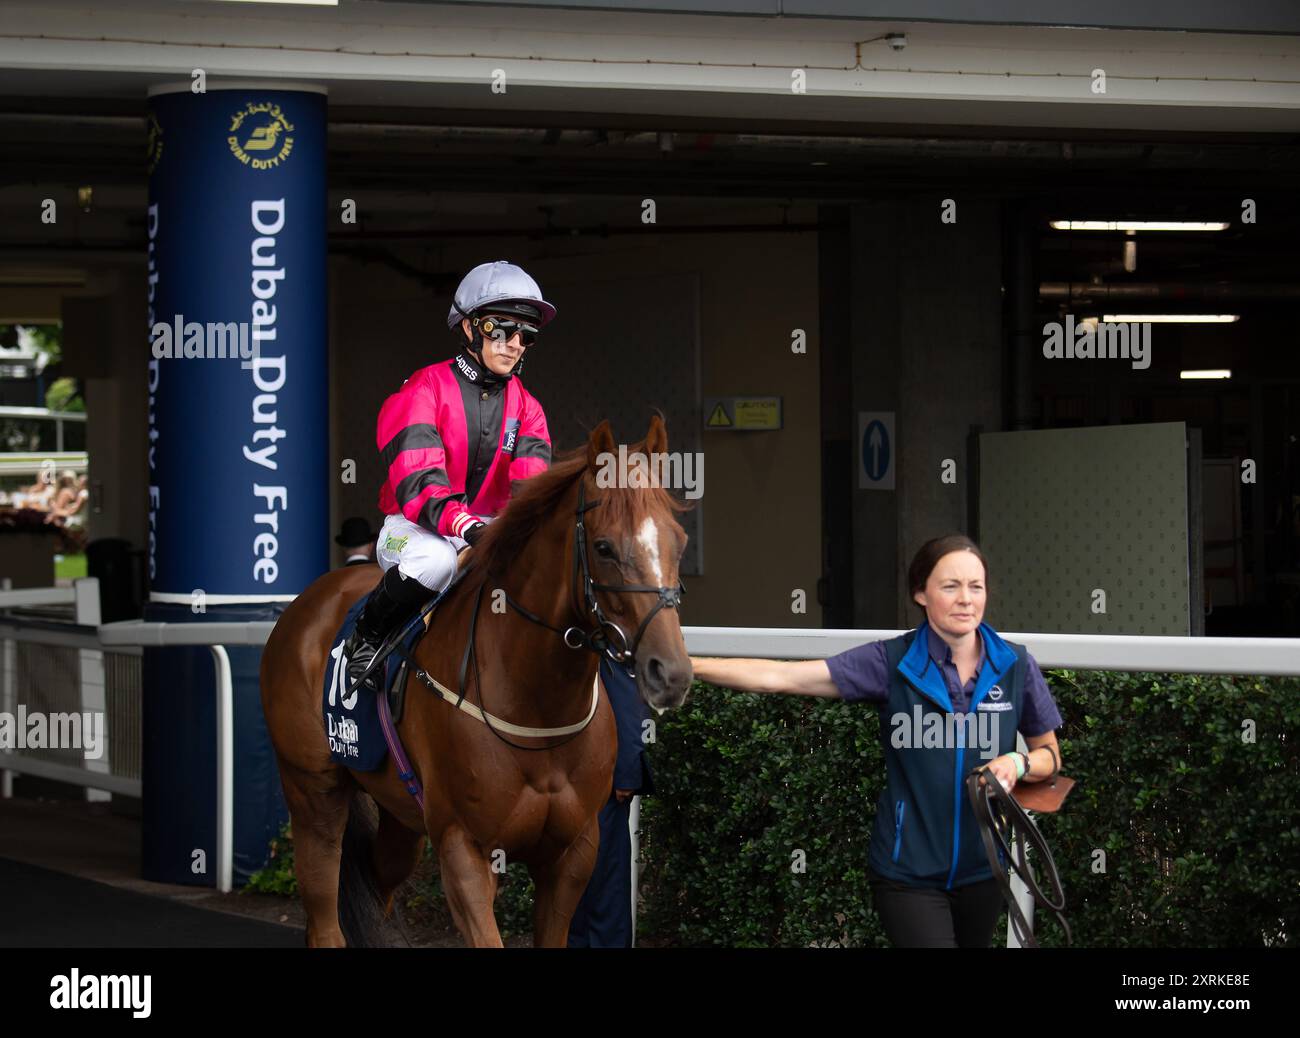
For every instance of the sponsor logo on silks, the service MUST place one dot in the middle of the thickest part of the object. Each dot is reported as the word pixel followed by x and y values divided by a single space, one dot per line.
pixel 153 142
pixel 260 136
pixel 512 434
pixel 995 693
pixel 467 368
pixel 395 543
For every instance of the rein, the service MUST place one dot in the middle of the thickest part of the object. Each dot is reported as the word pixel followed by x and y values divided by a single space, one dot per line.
pixel 1001 818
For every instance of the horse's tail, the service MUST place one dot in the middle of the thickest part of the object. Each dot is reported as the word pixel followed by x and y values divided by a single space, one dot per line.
pixel 361 913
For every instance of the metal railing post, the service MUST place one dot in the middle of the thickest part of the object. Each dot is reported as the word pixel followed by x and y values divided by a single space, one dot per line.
pixel 1019 889
pixel 94 694
pixel 634 828
pixel 225 770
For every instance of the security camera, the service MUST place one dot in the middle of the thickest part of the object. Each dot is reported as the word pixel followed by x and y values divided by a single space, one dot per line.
pixel 897 40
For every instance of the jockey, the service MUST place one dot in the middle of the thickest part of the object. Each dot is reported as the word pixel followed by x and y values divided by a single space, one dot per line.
pixel 456 439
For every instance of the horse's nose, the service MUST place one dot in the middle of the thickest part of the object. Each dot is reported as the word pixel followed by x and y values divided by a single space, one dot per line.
pixel 666 680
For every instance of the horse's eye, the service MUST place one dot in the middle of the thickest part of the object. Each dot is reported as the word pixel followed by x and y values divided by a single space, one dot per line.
pixel 604 549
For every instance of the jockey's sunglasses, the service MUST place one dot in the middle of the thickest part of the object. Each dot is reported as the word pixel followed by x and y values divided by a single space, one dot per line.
pixel 504 328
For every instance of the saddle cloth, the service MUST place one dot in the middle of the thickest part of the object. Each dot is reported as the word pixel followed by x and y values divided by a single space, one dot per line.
pixel 352 722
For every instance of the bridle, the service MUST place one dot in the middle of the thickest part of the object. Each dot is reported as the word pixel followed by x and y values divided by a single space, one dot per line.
pixel 598 639
pixel 601 637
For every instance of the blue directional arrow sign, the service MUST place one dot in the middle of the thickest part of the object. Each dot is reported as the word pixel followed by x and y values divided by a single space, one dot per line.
pixel 876 450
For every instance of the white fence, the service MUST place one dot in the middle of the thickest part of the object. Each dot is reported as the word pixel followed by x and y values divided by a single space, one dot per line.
pixel 67 680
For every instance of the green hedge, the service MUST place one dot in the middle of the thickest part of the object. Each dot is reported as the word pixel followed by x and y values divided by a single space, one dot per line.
pixel 1198 827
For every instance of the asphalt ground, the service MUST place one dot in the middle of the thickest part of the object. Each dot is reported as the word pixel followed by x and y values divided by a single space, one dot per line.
pixel 41 908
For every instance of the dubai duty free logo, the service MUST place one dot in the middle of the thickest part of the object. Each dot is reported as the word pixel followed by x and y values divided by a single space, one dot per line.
pixel 260 136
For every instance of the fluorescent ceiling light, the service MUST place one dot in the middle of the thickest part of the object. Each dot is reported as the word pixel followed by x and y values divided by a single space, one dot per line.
pixel 1206 373
pixel 1136 225
pixel 311 3
pixel 1171 318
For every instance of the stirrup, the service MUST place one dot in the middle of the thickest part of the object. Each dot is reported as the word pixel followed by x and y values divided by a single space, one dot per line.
pixel 360 652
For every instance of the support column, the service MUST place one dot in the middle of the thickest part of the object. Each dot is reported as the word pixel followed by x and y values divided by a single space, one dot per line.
pixel 238 436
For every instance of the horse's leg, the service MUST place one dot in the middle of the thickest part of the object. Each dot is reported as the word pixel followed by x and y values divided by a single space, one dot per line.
pixel 560 885
pixel 397 851
pixel 471 887
pixel 318 814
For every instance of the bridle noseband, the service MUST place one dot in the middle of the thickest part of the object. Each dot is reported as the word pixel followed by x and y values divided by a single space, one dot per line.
pixel 601 637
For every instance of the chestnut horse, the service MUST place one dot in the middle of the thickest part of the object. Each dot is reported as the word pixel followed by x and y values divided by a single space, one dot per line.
pixel 484 795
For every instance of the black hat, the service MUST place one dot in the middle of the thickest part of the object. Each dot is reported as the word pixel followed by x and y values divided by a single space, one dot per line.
pixel 356 532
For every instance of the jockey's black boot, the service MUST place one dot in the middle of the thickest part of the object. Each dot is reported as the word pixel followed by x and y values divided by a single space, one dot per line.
pixel 393 601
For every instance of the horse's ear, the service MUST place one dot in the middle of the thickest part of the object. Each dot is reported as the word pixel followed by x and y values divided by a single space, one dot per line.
pixel 600 441
pixel 656 437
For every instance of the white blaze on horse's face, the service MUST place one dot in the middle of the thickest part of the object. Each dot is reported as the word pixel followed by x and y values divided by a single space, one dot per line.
pixel 648 538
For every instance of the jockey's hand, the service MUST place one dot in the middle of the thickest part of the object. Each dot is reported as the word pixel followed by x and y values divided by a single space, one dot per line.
pixel 474 532
pixel 621 795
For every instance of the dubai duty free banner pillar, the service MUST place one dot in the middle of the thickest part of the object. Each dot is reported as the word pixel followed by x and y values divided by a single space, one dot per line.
pixel 238 439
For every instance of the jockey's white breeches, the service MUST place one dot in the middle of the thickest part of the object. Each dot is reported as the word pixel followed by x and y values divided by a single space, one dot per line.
pixel 418 553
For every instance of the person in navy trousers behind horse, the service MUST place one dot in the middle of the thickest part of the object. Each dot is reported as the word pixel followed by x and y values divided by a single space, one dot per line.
pixel 603 918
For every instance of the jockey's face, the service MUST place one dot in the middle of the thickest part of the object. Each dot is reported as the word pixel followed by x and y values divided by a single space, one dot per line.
pixel 499 356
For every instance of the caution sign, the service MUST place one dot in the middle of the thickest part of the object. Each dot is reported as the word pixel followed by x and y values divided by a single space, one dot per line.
pixel 742 413
pixel 759 412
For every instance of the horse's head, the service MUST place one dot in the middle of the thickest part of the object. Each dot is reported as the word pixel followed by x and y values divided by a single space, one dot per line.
pixel 633 538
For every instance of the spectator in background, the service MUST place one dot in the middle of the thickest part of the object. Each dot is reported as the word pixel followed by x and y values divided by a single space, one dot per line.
pixel 68 508
pixel 357 541
pixel 65 500
pixel 37 496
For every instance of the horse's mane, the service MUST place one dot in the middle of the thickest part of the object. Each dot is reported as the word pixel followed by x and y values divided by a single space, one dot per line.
pixel 537 500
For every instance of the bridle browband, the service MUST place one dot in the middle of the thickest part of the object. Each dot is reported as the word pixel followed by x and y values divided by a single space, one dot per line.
pixel 598 639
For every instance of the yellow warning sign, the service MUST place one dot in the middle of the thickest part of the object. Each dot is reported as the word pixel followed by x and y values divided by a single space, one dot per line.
pixel 758 412
pixel 718 419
